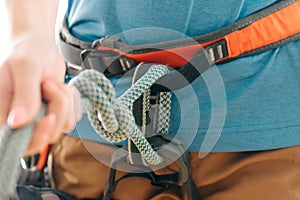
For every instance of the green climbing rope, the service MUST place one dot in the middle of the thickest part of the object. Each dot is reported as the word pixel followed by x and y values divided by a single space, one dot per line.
pixel 111 117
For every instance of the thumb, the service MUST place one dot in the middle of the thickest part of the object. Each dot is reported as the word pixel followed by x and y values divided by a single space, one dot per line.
pixel 26 99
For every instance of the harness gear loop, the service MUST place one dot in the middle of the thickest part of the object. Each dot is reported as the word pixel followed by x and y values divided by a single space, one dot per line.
pixel 154 123
pixel 151 111
pixel 172 150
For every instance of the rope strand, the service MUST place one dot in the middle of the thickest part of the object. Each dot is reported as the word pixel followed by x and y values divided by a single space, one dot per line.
pixel 112 117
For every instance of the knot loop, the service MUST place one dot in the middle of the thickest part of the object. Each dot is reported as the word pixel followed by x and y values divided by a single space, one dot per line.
pixel 111 117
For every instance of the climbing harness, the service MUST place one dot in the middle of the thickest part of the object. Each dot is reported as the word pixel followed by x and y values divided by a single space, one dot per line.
pixel 153 81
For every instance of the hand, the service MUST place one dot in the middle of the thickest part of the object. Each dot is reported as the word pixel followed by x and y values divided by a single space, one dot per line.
pixel 34 71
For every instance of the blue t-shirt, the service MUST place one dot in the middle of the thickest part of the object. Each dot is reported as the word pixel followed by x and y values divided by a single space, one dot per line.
pixel 251 103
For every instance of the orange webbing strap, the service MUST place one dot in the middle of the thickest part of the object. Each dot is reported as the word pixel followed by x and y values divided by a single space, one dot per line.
pixel 273 28
pixel 257 33
pixel 43 157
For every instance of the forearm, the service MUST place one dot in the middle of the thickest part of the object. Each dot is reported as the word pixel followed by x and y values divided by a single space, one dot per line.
pixel 27 16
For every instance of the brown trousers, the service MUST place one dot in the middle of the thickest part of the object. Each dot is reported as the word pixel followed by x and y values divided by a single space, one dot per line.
pixel 260 175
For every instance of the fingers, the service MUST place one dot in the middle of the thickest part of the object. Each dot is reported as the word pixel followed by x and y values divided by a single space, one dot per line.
pixel 26 99
pixel 25 102
pixel 30 60
pixel 5 96
pixel 59 102
pixel 60 116
pixel 42 134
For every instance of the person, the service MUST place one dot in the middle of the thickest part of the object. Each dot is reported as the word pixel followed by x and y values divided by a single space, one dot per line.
pixel 256 155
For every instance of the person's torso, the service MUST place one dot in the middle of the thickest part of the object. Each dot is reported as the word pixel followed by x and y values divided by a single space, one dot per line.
pixel 257 96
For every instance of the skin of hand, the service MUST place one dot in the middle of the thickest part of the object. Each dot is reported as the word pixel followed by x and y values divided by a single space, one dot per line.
pixel 33 71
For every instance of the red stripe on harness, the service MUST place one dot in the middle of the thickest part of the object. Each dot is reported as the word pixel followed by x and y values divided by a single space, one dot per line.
pixel 264 32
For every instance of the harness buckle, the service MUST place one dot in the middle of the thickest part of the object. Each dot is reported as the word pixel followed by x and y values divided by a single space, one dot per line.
pixel 106 61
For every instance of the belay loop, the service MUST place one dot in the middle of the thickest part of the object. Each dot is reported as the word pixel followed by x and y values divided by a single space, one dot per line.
pixel 111 117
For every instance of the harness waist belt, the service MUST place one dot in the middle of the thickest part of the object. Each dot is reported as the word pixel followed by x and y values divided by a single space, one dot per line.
pixel 266 29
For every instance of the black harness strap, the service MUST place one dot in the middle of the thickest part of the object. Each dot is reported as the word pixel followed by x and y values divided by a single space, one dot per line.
pixel 174 150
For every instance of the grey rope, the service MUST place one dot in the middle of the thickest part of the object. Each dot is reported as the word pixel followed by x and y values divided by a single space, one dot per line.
pixel 110 117
pixel 13 143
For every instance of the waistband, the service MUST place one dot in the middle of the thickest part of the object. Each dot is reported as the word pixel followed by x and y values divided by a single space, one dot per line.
pixel 266 29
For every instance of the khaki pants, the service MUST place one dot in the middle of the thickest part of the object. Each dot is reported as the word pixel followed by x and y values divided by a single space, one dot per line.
pixel 261 175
